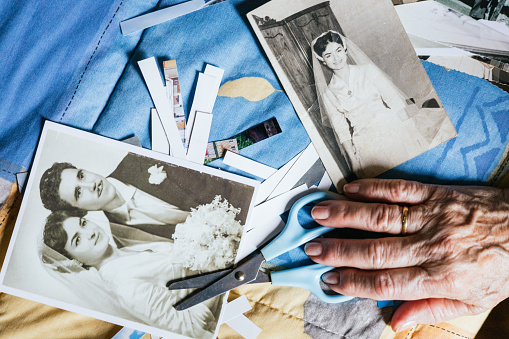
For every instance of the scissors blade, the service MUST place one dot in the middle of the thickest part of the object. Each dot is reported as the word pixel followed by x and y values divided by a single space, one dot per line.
pixel 198 281
pixel 244 273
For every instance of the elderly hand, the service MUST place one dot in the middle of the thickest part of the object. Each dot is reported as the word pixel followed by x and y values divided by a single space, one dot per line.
pixel 453 261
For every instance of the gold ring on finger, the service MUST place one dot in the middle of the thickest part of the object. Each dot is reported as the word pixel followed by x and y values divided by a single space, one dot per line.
pixel 404 220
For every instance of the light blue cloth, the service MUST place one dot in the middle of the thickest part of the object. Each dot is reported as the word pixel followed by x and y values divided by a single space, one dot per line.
pixel 68 62
pixel 61 61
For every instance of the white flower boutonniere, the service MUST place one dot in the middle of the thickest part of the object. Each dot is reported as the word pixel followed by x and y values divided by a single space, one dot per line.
pixel 157 175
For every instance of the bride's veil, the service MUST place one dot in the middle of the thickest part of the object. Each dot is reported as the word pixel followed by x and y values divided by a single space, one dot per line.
pixel 85 285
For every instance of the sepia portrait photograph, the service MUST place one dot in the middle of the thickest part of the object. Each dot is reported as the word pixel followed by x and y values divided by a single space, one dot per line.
pixel 104 226
pixel 355 81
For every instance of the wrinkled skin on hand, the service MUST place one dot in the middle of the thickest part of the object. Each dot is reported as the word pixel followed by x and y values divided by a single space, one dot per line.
pixel 453 261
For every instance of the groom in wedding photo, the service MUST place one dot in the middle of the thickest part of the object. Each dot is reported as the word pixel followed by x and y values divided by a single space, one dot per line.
pixel 141 192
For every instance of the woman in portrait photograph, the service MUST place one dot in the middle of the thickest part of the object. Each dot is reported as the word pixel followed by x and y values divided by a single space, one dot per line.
pixel 370 116
pixel 135 275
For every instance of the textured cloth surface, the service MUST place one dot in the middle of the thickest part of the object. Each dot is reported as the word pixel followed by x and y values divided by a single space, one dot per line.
pixel 84 73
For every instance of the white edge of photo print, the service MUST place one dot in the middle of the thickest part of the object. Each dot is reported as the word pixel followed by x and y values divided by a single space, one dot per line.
pixel 274 12
pixel 121 147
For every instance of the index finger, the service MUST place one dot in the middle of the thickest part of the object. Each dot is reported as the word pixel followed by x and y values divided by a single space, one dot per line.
pixel 373 217
pixel 391 191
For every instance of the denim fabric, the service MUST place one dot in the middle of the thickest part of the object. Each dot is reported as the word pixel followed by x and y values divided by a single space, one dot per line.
pixel 68 62
pixel 60 61
pixel 223 40
pixel 478 111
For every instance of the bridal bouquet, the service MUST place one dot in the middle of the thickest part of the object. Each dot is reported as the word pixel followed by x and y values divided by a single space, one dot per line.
pixel 209 238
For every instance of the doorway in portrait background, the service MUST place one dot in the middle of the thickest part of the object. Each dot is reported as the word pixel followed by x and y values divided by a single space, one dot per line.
pixel 290 41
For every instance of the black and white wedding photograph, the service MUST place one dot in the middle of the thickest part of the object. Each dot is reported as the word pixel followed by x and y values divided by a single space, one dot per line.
pixel 355 81
pixel 104 226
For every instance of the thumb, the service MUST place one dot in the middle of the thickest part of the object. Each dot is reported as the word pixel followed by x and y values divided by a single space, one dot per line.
pixel 430 311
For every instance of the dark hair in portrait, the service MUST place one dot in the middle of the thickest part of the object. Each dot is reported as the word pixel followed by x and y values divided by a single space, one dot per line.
pixel 322 42
pixel 49 187
pixel 54 235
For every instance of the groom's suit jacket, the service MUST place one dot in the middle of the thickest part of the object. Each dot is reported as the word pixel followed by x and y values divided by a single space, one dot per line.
pixel 183 187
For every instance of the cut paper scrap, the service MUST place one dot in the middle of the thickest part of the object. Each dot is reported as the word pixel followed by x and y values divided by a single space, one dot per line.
pixel 257 133
pixel 266 222
pixel 159 141
pixel 268 186
pixel 235 308
pixel 205 95
pixel 466 65
pixel 233 316
pixel 199 137
pixel 134 140
pixel 425 47
pixel 325 183
pixel 436 22
pixel 301 166
pixel 247 165
pixel 21 178
pixel 267 215
pixel 313 175
pixel 171 78
pixel 152 77
pixel 245 327
pixel 154 18
pixel 250 88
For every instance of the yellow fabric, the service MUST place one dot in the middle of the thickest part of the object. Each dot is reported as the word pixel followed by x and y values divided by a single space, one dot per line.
pixel 442 331
pixel 278 311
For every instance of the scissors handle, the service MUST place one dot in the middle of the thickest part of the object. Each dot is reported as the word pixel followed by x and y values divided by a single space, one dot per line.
pixel 307 277
pixel 294 235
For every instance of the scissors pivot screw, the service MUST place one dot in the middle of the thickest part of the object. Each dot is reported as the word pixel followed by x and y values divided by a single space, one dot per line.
pixel 240 276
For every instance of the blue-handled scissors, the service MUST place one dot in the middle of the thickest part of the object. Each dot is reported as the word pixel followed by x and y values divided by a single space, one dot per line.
pixel 248 270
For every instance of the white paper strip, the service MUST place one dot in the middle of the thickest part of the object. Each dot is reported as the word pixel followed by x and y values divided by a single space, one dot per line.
pixel 267 215
pixel 268 186
pixel 202 98
pixel 157 91
pixel 301 166
pixel 245 327
pixel 325 182
pixel 151 19
pixel 218 74
pixel 159 141
pixel 199 138
pixel 247 165
pixel 498 26
pixel 235 308
pixel 441 52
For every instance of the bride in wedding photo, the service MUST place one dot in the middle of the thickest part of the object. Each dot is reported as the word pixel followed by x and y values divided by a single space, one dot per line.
pixel 370 116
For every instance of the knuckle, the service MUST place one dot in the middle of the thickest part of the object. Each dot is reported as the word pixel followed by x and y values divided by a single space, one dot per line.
pixel 380 218
pixel 347 283
pixel 342 209
pixel 376 254
pixel 401 189
pixel 383 287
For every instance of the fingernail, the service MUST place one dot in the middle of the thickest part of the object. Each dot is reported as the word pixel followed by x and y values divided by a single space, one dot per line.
pixel 351 188
pixel 405 326
pixel 320 212
pixel 313 248
pixel 331 278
